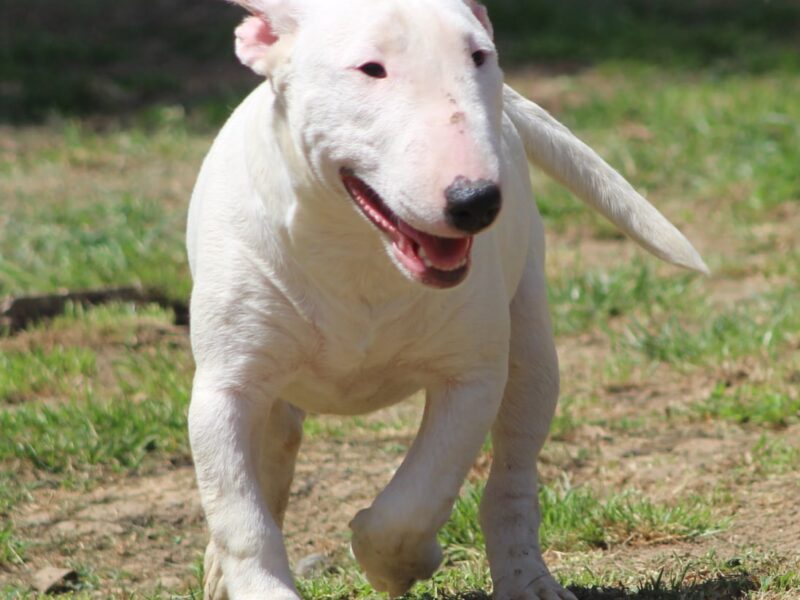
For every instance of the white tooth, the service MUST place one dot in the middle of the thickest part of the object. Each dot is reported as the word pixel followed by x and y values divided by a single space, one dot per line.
pixel 462 263
pixel 424 257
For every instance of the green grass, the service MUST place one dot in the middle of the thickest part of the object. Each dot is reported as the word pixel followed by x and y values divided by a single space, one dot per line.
pixel 75 437
pixel 578 519
pixel 461 536
pixel 122 241
pixel 757 404
pixel 782 582
pixel 147 416
pixel 752 118
pixel 728 143
pixel 589 299
pixel 12 546
pixel 466 581
pixel 38 372
pixel 775 456
pixel 12 549
pixel 114 323
pixel 729 578
pixel 762 327
pixel 139 413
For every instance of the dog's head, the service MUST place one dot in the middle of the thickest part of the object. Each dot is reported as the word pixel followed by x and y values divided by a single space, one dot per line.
pixel 398 103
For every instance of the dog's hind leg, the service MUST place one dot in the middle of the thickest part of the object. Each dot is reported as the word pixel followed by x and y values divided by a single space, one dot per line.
pixel 509 511
pixel 244 450
pixel 395 539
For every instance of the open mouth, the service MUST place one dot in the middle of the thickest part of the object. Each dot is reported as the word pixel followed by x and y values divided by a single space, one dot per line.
pixel 433 260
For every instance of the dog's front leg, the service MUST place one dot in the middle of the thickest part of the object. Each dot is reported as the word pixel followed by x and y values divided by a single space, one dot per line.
pixel 243 509
pixel 395 539
pixel 510 509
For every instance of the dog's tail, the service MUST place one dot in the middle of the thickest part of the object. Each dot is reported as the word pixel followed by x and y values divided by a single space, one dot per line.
pixel 572 163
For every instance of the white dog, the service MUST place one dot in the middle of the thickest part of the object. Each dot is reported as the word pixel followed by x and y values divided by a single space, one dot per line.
pixel 342 259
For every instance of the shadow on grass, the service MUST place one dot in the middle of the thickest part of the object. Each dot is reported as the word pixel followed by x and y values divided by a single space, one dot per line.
pixel 94 57
pixel 727 587
pixel 720 35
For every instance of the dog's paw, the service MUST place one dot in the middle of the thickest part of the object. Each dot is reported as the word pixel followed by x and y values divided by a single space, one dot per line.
pixel 213 584
pixel 215 587
pixel 541 587
pixel 393 561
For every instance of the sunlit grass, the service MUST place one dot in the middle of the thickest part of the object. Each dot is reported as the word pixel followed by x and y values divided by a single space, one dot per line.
pixel 757 404
pixel 578 519
pixel 38 372
pixel 139 413
pixel 590 299
pixel 124 241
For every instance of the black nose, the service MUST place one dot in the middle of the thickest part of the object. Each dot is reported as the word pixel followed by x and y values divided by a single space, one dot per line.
pixel 472 205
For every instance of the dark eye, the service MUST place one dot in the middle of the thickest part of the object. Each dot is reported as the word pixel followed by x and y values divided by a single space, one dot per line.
pixel 373 69
pixel 479 57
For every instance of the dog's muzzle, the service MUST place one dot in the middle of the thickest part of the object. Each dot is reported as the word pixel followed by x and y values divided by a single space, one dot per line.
pixel 436 261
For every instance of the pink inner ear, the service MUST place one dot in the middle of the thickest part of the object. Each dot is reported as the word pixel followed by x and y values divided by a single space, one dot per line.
pixel 480 12
pixel 253 37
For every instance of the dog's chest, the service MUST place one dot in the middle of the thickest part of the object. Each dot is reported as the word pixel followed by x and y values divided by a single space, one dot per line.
pixel 361 365
pixel 359 392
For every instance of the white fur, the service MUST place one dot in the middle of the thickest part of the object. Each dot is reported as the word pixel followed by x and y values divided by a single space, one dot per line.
pixel 297 305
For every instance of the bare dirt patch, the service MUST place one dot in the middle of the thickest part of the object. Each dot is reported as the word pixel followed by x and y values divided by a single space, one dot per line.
pixel 131 534
pixel 140 533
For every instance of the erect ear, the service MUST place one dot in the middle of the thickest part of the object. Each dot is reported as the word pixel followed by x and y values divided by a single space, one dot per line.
pixel 480 12
pixel 258 37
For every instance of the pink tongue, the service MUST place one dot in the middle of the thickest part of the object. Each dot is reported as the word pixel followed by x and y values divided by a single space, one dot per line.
pixel 443 253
